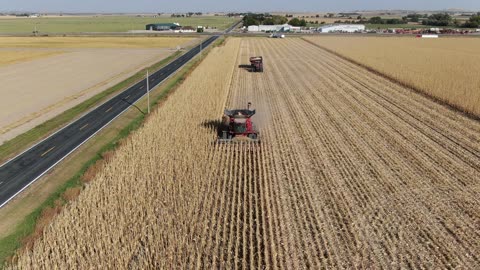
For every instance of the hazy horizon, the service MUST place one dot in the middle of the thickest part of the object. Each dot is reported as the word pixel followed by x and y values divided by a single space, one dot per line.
pixel 150 6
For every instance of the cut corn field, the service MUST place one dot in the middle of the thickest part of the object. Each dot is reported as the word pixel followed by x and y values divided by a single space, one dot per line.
pixel 353 171
pixel 445 68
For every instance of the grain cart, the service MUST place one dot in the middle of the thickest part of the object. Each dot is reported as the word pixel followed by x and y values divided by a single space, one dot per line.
pixel 256 64
pixel 238 126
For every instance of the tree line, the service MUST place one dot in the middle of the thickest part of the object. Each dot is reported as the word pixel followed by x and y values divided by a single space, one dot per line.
pixel 186 15
pixel 439 19
pixel 268 19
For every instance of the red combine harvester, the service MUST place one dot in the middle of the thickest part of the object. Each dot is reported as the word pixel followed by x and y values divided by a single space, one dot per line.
pixel 238 126
pixel 256 64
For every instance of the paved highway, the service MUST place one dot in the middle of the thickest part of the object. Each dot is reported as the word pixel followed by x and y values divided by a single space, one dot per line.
pixel 20 172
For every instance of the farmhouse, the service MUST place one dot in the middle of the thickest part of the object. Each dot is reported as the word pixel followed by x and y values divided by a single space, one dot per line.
pixel 344 28
pixel 162 26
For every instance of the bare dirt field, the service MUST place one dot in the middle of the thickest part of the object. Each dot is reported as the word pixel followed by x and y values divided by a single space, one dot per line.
pixel 36 90
pixel 353 171
pixel 445 68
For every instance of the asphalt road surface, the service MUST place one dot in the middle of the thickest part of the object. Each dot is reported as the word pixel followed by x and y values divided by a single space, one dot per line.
pixel 20 172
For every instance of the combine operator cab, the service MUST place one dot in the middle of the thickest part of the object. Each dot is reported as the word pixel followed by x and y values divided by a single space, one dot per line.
pixel 256 64
pixel 238 126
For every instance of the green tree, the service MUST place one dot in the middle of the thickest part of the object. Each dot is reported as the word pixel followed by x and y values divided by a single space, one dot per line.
pixel 394 21
pixel 376 20
pixel 248 20
pixel 297 22
pixel 294 22
pixel 412 17
pixel 268 21
pixel 279 19
pixel 439 19
pixel 473 22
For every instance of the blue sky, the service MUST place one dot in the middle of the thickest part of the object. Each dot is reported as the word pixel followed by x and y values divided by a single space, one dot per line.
pixel 241 5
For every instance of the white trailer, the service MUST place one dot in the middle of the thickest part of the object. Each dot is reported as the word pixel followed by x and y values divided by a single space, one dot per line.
pixel 429 36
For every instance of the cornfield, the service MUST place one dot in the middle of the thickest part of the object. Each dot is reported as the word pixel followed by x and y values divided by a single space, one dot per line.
pixel 353 171
pixel 445 68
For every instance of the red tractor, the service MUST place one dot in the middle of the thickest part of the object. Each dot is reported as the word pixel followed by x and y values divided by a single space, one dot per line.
pixel 238 126
pixel 256 64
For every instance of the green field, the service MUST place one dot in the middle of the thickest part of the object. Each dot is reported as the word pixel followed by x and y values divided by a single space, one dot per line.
pixel 103 23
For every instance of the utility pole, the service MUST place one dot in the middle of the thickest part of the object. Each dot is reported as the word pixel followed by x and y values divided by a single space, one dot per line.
pixel 201 43
pixel 148 94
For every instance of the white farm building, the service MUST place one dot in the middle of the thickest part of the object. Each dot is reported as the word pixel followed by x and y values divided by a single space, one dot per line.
pixel 343 28
pixel 270 28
